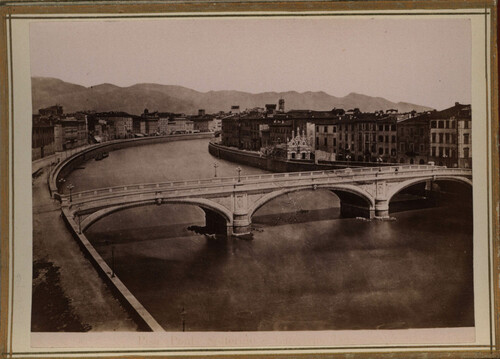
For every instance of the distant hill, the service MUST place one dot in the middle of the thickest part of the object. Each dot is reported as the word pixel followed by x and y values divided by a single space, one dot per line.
pixel 169 98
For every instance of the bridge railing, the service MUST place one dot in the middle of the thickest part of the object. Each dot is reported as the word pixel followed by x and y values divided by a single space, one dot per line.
pixel 356 174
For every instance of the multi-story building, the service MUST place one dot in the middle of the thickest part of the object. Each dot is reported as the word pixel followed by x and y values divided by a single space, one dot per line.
pixel 356 136
pixel 464 137
pixel 202 121
pixel 180 124
pixel 230 135
pixel 42 137
pixel 450 136
pixel 70 132
pixel 163 119
pixel 215 125
pixel 250 130
pixel 42 131
pixel 413 139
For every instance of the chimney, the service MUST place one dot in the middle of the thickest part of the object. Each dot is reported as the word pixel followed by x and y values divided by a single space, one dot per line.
pixel 201 112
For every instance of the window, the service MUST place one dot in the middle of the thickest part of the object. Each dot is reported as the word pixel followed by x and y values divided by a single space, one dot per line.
pixel 352 137
pixel 447 124
pixel 452 123
pixel 387 127
pixel 412 147
pixel 433 124
pixel 440 124
pixel 317 141
pixel 433 137
pixel 466 124
pixel 380 151
pixel 380 127
pixel 393 127
pixel 340 136
pixel 402 147
pixel 421 149
pixel 466 152
pixel 393 139
pixel 466 138
pixel 334 129
pixel 421 131
pixel 335 142
pixel 433 151
pixel 374 138
pixel 440 138
pixel 325 129
pixel 386 151
pixel 381 139
pixel 325 143
pixel 447 138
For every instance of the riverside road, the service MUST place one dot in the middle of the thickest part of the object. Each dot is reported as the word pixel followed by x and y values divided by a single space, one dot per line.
pixel 307 268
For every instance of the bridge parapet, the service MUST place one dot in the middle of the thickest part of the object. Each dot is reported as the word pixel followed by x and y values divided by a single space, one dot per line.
pixel 236 199
pixel 292 178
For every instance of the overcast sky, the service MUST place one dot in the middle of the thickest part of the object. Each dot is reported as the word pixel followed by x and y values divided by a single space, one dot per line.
pixel 422 61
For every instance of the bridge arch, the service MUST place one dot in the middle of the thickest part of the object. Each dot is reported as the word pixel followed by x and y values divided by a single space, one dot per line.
pixel 344 192
pixel 396 188
pixel 208 206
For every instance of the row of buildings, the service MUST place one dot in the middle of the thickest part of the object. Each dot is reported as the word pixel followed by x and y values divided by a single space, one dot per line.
pixel 442 137
pixel 55 131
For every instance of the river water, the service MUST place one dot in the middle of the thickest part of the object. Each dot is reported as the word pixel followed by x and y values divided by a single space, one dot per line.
pixel 305 268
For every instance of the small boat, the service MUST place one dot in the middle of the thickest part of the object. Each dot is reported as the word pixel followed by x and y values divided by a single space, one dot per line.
pixel 101 155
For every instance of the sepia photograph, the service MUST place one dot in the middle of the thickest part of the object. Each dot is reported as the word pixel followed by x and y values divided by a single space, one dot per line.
pixel 230 179
pixel 284 174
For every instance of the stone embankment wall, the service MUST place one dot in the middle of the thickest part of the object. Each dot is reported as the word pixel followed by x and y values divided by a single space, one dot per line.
pixel 277 165
pixel 64 168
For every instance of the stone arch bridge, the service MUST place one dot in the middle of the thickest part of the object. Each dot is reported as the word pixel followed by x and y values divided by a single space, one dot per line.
pixel 230 202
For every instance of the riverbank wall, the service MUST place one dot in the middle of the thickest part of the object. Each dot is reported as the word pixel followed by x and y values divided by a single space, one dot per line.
pixel 65 167
pixel 139 314
pixel 278 165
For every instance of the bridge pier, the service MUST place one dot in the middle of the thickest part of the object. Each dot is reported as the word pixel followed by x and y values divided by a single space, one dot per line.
pixel 381 208
pixel 241 224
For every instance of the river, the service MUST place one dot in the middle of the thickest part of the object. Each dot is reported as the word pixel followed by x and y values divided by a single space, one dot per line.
pixel 305 268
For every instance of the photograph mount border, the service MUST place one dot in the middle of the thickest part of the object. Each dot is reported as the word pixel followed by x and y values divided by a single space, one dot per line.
pixel 13 11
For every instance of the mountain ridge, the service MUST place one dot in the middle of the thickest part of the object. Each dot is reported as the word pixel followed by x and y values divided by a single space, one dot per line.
pixel 48 91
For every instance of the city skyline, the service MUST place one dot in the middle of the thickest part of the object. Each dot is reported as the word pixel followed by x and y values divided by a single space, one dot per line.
pixel 422 61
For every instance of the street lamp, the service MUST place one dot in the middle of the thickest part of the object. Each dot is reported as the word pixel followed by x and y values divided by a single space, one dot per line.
pixel 215 169
pixel 239 172
pixel 70 188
